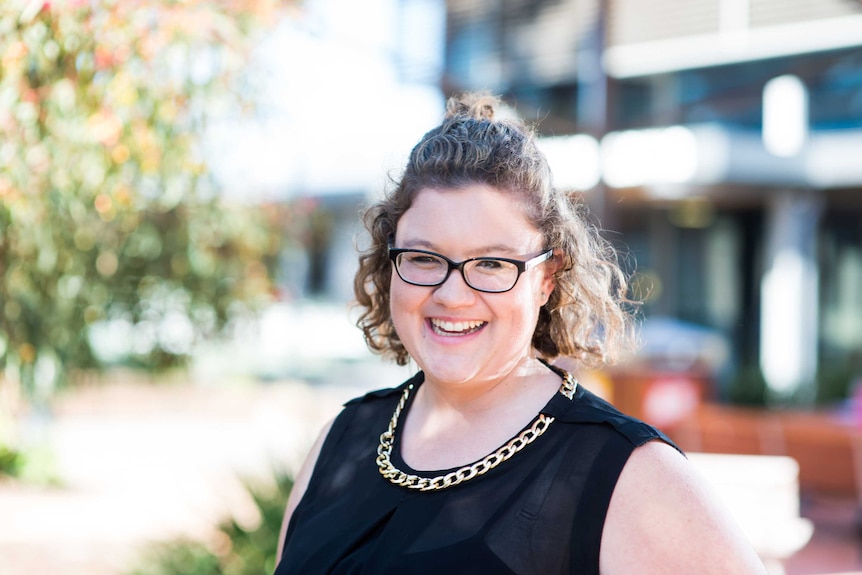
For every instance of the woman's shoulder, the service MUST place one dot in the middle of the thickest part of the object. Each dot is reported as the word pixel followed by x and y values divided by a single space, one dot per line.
pixel 587 407
pixel 348 433
pixel 385 393
pixel 664 517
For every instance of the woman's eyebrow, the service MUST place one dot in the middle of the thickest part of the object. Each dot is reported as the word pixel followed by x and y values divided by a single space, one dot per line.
pixel 416 243
pixel 412 243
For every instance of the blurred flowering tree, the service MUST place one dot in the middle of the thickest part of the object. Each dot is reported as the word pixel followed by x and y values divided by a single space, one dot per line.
pixel 108 214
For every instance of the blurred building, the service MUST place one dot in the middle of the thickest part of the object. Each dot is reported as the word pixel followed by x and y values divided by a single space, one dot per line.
pixel 728 136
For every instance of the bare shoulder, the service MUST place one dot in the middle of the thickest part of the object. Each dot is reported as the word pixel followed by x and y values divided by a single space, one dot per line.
pixel 664 518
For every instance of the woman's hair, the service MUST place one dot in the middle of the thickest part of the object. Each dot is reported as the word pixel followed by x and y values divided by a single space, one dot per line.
pixel 585 316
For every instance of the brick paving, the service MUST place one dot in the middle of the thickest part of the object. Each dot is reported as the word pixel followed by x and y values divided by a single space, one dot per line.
pixel 836 545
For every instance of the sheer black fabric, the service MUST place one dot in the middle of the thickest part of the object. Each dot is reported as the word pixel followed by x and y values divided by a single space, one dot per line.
pixel 541 512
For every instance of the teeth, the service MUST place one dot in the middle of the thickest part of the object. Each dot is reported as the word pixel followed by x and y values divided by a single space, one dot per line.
pixel 455 327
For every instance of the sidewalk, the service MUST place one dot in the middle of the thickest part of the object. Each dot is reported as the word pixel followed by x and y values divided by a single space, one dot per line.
pixel 152 462
pixel 836 545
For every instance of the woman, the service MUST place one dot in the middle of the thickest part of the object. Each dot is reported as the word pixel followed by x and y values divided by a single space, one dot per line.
pixel 490 459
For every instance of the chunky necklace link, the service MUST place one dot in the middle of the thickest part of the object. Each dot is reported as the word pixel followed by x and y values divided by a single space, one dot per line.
pixel 489 462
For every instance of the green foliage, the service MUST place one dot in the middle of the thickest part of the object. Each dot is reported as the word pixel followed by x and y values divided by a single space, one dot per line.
pixel 107 208
pixel 35 465
pixel 181 557
pixel 247 550
pixel 11 461
pixel 836 376
pixel 748 387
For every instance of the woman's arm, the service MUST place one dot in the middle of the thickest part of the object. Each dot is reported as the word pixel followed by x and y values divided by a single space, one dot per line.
pixel 300 484
pixel 664 519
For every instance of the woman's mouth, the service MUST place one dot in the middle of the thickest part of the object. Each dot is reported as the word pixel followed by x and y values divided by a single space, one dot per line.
pixel 455 328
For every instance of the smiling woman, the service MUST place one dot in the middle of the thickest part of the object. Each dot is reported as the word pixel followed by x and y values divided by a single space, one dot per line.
pixel 466 223
pixel 491 459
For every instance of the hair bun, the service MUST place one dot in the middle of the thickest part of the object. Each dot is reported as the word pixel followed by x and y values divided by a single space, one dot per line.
pixel 474 105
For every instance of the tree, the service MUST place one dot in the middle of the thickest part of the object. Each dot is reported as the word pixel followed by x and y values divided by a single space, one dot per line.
pixel 108 213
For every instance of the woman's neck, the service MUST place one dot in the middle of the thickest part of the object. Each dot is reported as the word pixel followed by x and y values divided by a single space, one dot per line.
pixel 446 427
pixel 488 393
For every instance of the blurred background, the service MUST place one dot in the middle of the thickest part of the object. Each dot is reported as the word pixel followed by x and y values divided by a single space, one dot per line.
pixel 180 184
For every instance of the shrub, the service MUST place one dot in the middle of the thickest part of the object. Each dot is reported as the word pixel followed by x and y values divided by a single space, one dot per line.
pixel 238 550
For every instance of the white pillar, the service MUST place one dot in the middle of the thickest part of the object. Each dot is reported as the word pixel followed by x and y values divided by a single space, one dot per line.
pixel 789 299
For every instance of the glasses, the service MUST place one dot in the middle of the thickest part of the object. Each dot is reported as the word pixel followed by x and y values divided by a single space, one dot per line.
pixel 491 275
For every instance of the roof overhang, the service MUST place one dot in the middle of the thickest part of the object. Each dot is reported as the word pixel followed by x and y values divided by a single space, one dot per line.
pixel 731 47
pixel 678 157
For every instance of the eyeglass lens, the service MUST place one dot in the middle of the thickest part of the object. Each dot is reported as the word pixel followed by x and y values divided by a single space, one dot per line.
pixel 485 274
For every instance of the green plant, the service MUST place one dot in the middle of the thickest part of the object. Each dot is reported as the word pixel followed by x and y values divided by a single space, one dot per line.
pixel 181 557
pixel 11 461
pixel 108 211
pixel 240 549
pixel 748 387
pixel 835 378
pixel 35 465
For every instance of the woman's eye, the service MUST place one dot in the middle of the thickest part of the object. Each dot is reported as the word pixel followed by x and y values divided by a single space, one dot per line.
pixel 423 260
pixel 490 265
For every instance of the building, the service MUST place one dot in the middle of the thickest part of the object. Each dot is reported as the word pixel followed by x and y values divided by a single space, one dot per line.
pixel 730 159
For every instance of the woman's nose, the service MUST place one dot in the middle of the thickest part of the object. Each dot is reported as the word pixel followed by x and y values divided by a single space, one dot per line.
pixel 454 292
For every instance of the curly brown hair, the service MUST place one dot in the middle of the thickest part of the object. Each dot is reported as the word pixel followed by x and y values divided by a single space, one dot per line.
pixel 586 315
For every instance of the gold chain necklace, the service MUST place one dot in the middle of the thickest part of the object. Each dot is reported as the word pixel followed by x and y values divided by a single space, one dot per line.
pixel 489 462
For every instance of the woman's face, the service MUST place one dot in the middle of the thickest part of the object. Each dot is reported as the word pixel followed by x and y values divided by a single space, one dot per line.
pixel 456 334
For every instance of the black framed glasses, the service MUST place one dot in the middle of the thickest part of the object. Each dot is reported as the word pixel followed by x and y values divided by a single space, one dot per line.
pixel 491 275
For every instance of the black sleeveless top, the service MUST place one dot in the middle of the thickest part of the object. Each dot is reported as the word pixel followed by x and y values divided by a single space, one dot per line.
pixel 540 512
